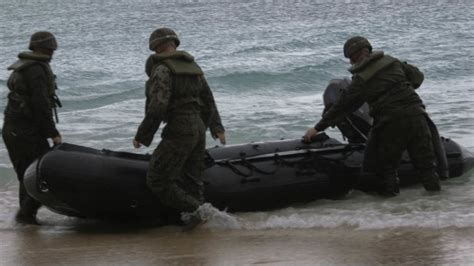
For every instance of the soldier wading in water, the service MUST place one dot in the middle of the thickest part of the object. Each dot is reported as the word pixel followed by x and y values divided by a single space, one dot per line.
pixel 28 119
pixel 400 120
pixel 177 93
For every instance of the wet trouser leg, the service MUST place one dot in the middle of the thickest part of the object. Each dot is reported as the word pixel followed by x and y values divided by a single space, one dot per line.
pixel 23 150
pixel 387 144
pixel 193 168
pixel 28 205
pixel 175 172
pixel 382 156
pixel 165 174
pixel 420 149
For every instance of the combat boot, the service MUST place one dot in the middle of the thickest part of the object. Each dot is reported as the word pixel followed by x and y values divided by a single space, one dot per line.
pixel 430 180
pixel 192 220
pixel 390 184
pixel 28 210
pixel 23 217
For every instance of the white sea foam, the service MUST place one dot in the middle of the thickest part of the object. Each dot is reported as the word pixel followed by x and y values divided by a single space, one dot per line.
pixel 413 208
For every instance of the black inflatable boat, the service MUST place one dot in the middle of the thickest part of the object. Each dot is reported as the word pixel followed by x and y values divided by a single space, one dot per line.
pixel 85 182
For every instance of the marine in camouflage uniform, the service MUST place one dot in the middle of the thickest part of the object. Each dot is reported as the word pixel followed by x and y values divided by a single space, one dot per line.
pixel 177 94
pixel 28 121
pixel 400 120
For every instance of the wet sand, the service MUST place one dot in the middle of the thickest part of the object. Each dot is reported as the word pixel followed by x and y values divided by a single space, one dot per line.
pixel 117 245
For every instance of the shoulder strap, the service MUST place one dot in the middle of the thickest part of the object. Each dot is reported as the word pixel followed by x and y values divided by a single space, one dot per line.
pixel 372 69
pixel 182 67
pixel 22 64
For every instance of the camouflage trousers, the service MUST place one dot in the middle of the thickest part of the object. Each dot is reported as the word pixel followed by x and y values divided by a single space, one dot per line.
pixel 388 142
pixel 176 166
pixel 23 149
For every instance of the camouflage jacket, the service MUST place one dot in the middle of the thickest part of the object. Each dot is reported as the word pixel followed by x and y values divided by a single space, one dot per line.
pixel 386 84
pixel 176 86
pixel 30 100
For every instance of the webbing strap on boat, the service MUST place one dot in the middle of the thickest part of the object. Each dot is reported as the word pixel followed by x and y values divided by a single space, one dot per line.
pixel 253 167
pixel 235 169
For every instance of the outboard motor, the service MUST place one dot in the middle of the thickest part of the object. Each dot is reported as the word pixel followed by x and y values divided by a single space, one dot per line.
pixel 355 127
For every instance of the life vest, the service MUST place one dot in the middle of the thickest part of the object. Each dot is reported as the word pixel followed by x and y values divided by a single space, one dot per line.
pixel 19 90
pixel 186 75
pixel 372 65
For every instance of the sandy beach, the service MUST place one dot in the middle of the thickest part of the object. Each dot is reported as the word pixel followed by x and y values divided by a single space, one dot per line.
pixel 122 245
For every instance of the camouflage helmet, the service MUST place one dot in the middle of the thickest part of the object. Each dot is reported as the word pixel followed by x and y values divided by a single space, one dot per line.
pixel 161 36
pixel 354 44
pixel 43 39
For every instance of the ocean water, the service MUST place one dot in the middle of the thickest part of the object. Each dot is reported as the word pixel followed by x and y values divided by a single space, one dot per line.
pixel 267 63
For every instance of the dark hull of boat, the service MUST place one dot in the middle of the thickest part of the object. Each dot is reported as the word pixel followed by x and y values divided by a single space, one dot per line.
pixel 85 182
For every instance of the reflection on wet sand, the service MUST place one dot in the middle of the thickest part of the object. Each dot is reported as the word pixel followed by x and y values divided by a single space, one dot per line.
pixel 118 245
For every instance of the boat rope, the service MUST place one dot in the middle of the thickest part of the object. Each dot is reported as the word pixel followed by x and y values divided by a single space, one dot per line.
pixel 311 160
pixel 253 167
pixel 235 169
pixel 250 166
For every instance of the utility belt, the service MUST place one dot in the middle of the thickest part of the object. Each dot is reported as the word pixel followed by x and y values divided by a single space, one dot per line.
pixel 17 121
pixel 184 114
pixel 8 119
pixel 381 120
pixel 18 107
pixel 183 117
pixel 184 110
pixel 394 89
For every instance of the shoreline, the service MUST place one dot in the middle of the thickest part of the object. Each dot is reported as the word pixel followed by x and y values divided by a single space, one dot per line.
pixel 168 245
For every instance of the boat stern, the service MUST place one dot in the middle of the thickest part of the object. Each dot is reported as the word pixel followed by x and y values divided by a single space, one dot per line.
pixel 38 188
